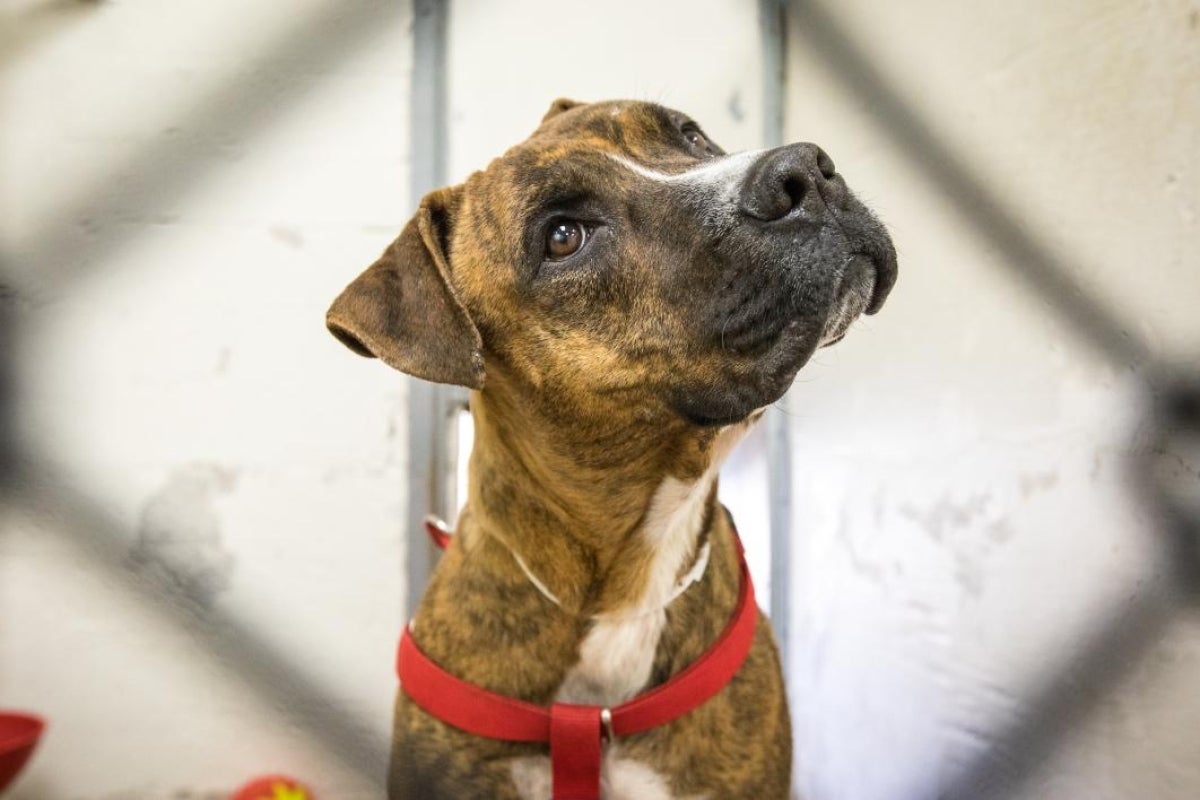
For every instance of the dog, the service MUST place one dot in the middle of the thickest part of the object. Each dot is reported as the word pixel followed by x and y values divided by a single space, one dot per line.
pixel 624 299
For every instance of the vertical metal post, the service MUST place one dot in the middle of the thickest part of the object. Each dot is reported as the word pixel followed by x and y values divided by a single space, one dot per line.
pixel 8 390
pixel 428 420
pixel 773 40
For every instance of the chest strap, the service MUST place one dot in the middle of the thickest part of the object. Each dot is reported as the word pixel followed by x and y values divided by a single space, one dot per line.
pixel 575 732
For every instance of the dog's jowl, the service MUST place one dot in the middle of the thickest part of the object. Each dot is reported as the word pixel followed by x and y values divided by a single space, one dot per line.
pixel 624 299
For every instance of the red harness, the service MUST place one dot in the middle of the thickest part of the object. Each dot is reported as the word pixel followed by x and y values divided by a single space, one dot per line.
pixel 575 732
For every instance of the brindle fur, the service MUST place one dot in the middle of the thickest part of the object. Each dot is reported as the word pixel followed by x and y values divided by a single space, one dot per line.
pixel 593 383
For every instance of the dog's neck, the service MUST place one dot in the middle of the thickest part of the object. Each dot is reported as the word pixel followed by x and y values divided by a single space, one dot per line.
pixel 608 516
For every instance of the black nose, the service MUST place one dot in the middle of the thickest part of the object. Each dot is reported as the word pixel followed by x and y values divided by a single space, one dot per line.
pixel 795 177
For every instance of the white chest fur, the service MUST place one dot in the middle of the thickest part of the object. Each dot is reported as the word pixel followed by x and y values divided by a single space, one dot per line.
pixel 620 779
pixel 617 655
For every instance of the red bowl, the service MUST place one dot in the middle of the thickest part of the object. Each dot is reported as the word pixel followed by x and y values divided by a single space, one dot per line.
pixel 19 734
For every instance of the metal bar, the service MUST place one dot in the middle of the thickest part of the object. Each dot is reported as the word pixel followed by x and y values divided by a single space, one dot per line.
pixel 427 101
pixel 428 419
pixel 424 467
pixel 8 385
pixel 773 39
pixel 1027 256
pixel 772 27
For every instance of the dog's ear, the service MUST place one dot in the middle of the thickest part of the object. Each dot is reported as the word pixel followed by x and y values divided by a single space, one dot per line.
pixel 403 309
pixel 559 106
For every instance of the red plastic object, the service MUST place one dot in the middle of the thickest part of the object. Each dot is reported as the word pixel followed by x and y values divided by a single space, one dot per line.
pixel 274 787
pixel 19 734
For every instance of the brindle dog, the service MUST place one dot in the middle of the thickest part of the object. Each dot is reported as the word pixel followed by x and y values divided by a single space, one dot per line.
pixel 624 299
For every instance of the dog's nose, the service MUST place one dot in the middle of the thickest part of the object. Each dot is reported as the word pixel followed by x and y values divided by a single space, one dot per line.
pixel 795 176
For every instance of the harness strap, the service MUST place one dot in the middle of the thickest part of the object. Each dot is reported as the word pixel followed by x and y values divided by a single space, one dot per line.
pixel 438 533
pixel 575 751
pixel 575 732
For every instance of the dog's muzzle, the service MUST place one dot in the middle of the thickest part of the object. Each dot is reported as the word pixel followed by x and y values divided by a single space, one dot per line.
pixel 797 189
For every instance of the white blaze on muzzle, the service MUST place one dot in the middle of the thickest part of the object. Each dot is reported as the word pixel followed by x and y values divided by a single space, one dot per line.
pixel 717 181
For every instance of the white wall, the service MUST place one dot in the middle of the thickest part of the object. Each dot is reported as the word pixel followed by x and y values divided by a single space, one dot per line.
pixel 960 510
pixel 243 162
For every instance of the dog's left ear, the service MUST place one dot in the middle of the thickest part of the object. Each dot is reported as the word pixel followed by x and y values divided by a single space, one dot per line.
pixel 559 106
pixel 403 309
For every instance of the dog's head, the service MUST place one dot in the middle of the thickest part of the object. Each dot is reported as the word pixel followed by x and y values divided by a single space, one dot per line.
pixel 618 258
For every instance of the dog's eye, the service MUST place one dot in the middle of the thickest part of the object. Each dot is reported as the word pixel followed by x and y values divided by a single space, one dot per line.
pixel 697 140
pixel 564 239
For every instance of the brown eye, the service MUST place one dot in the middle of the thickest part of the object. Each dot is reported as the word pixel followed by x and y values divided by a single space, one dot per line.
pixel 698 141
pixel 564 239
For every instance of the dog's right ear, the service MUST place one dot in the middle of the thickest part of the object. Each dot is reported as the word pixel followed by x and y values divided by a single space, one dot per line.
pixel 403 309
pixel 559 106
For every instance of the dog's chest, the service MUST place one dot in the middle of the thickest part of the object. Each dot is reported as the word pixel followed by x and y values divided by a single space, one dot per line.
pixel 615 660
pixel 617 655
pixel 620 779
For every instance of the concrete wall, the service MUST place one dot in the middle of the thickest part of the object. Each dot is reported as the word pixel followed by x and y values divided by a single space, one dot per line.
pixel 961 517
pixel 186 187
